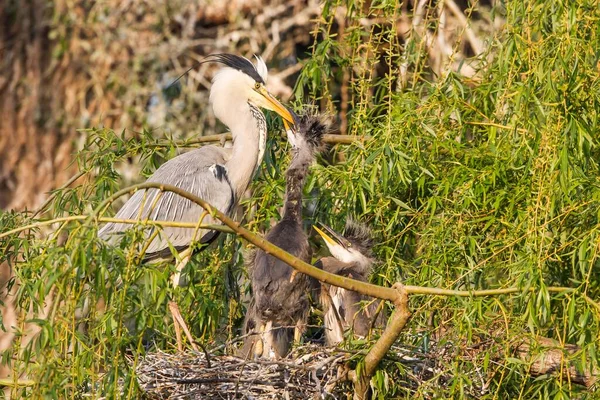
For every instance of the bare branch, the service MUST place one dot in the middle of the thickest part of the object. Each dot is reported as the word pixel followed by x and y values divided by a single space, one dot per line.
pixel 380 292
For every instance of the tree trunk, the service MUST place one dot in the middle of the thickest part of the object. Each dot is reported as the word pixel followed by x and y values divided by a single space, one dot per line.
pixel 34 153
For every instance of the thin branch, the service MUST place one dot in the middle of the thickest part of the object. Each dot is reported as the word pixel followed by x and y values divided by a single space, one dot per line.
pixel 332 138
pixel 173 224
pixel 380 292
pixel 53 195
pixel 495 125
pixel 8 382
pixel 494 292
pixel 476 44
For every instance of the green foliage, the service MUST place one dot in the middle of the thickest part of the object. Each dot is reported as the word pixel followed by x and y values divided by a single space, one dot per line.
pixel 469 182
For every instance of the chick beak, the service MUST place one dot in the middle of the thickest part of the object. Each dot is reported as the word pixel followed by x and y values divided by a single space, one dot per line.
pixel 295 122
pixel 331 239
pixel 271 103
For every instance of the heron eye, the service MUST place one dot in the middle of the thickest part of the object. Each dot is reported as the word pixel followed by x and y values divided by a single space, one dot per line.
pixel 257 85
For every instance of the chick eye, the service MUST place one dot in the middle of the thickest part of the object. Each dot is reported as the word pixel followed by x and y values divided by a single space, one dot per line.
pixel 257 85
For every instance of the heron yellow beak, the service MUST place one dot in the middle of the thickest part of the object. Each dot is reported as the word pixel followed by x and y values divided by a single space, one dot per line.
pixel 271 103
pixel 334 240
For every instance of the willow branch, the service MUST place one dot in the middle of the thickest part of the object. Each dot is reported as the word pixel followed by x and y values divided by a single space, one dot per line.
pixel 173 224
pixel 380 292
pixel 389 336
pixel 328 138
pixel 395 325
pixel 299 265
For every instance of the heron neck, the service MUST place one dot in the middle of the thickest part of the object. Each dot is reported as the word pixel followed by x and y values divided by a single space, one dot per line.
pixel 295 177
pixel 249 131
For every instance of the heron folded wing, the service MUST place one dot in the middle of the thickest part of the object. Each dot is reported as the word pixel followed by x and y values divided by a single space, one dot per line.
pixel 200 172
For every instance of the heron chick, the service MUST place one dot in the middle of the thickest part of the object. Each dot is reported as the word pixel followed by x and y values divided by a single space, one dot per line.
pixel 280 305
pixel 351 257
pixel 218 175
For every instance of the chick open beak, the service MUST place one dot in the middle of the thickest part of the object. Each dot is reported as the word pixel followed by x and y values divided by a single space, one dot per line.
pixel 271 103
pixel 295 122
pixel 334 240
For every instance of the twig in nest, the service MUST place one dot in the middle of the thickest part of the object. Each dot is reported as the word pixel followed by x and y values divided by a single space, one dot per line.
pixel 308 372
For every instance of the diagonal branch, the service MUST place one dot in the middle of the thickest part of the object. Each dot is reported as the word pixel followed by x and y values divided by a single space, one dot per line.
pixel 397 294
pixel 163 224
pixel 380 292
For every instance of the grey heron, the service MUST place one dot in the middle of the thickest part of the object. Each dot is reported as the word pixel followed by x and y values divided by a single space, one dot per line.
pixel 351 257
pixel 280 304
pixel 216 174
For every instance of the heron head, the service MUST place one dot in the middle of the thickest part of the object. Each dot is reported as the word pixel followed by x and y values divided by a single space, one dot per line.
pixel 353 247
pixel 243 82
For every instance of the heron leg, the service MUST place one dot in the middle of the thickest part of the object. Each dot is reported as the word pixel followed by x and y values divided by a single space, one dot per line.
pixel 180 324
pixel 182 261
pixel 172 308
pixel 258 347
pixel 178 320
pixel 266 338
pixel 299 330
pixel 334 324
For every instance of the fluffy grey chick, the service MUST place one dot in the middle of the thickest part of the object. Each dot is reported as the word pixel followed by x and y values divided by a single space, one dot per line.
pixel 351 256
pixel 280 305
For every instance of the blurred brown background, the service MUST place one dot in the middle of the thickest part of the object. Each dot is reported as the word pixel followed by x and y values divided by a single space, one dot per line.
pixel 68 65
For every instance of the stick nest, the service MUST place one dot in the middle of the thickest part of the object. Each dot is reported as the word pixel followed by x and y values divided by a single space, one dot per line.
pixel 308 372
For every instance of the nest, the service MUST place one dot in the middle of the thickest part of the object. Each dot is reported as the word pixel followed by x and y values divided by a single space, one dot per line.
pixel 308 372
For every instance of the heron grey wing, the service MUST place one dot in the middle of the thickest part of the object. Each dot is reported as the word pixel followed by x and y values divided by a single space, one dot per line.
pixel 200 172
pixel 217 192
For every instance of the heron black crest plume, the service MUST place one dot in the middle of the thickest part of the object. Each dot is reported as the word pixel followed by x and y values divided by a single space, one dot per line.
pixel 240 63
pixel 230 60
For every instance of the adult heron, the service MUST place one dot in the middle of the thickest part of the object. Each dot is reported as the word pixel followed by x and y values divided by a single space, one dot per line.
pixel 280 304
pixel 351 257
pixel 216 174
